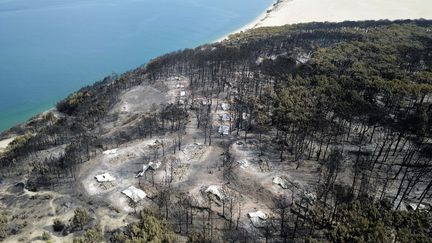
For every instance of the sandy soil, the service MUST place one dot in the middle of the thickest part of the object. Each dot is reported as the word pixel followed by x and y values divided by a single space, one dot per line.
pixel 303 11
pixel 128 159
pixel 193 169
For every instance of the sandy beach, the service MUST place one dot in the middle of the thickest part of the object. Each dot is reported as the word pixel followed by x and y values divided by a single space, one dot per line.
pixel 4 143
pixel 303 11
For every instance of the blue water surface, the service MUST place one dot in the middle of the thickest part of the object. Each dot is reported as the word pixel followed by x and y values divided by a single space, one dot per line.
pixel 50 48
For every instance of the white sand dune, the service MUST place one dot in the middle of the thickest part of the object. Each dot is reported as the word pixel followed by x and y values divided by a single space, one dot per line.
pixel 304 11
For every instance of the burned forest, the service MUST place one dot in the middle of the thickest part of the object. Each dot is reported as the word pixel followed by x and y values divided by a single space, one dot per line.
pixel 318 132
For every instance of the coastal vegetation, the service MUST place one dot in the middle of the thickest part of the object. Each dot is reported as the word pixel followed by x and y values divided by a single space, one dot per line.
pixel 341 112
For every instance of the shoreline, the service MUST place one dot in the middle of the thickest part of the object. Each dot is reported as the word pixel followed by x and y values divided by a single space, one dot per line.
pixel 284 12
pixel 255 22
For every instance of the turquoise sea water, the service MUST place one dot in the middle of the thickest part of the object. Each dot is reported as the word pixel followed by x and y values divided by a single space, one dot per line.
pixel 49 48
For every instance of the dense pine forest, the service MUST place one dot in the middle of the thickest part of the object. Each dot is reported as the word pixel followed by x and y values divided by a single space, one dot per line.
pixel 339 113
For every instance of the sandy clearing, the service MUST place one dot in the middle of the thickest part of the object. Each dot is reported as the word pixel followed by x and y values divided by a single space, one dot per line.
pixel 140 99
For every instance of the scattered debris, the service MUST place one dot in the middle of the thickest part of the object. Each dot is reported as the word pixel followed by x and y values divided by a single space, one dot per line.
pixel 243 163
pixel 151 165
pixel 105 177
pixel 179 171
pixel 225 117
pixel 415 206
pixel 215 191
pixel 141 173
pixel 225 106
pixel 264 164
pixel 112 151
pixel 259 60
pixel 303 58
pixel 296 187
pixel 258 218
pixel 223 130
pixel 281 182
pixel 64 207
pixel 192 151
pixel 155 165
pixel 310 196
pixel 134 193
pixel 67 204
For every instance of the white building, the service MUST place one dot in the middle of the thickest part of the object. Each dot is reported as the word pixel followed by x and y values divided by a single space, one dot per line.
pixel 134 194
pixel 106 177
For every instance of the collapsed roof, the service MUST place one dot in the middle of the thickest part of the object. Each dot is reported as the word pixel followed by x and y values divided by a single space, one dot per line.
pixel 258 218
pixel 243 163
pixel 281 182
pixel 215 191
pixel 151 165
pixel 310 196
